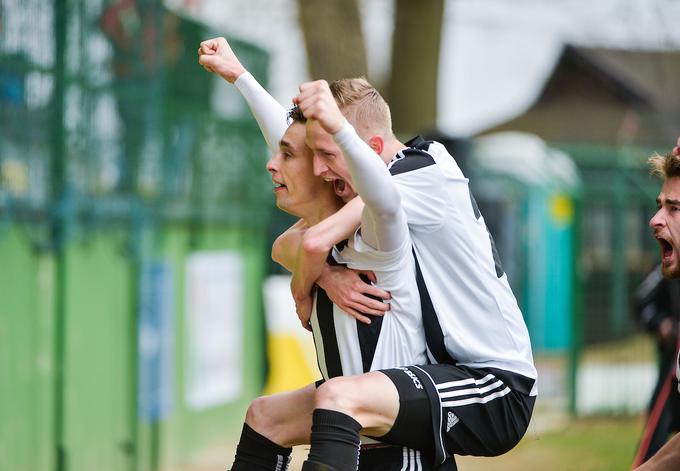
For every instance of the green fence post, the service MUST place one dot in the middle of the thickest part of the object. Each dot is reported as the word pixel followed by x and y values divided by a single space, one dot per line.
pixel 619 311
pixel 61 8
pixel 576 345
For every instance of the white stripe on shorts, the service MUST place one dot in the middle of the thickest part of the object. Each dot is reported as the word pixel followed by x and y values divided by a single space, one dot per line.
pixel 468 391
pixel 476 400
pixel 404 461
pixel 464 382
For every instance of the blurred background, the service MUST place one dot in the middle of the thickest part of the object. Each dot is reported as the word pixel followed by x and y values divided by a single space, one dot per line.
pixel 139 309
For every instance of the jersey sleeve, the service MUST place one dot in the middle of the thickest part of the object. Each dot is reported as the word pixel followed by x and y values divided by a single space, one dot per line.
pixel 271 117
pixel 383 223
pixel 424 197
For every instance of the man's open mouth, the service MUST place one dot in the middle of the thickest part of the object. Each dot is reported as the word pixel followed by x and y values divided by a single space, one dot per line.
pixel 339 187
pixel 666 249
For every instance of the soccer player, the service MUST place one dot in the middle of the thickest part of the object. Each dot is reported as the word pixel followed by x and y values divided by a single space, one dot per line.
pixel 666 225
pixel 344 346
pixel 478 395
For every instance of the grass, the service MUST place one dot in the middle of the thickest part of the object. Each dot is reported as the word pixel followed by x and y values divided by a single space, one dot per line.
pixel 594 444
pixel 632 349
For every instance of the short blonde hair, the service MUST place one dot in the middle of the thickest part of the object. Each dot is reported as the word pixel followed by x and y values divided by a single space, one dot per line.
pixel 363 106
pixel 665 166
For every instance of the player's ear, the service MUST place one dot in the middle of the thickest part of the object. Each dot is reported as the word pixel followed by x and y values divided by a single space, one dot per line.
pixel 377 143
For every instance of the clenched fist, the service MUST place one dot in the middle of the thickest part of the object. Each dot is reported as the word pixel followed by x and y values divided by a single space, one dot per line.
pixel 215 55
pixel 316 102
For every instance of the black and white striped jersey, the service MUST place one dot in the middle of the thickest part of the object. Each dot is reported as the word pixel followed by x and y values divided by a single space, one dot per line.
pixel 345 346
pixel 471 315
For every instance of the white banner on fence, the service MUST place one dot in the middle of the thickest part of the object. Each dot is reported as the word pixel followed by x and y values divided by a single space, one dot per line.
pixel 214 326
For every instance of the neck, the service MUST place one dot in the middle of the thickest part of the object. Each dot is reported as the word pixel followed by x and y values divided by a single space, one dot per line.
pixel 391 148
pixel 322 210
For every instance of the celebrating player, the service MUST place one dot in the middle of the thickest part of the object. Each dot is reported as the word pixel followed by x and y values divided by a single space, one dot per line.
pixel 666 225
pixel 478 395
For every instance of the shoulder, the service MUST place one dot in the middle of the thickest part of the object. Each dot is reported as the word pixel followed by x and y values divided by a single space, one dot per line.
pixel 409 160
pixel 414 157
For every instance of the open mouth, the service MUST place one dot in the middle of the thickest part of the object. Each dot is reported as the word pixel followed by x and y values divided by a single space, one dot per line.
pixel 278 186
pixel 339 187
pixel 666 249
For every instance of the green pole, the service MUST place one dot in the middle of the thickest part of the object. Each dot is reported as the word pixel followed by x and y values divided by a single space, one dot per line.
pixel 58 225
pixel 576 344
pixel 619 312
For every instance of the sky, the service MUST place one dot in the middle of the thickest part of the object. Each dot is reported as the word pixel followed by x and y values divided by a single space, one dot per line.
pixel 495 54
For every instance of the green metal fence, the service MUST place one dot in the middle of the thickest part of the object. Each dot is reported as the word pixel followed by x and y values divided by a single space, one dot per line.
pixel 575 255
pixel 114 157
pixel 615 251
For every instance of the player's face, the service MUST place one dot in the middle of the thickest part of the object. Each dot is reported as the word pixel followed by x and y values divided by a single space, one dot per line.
pixel 666 225
pixel 329 162
pixel 297 190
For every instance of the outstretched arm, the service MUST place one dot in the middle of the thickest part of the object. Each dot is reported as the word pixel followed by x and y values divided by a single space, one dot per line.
pixel 215 55
pixel 383 223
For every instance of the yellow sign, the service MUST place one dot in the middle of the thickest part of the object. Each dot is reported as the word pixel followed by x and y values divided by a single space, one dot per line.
pixel 561 210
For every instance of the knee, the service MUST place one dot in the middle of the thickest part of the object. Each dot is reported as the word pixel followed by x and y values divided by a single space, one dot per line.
pixel 336 394
pixel 262 417
pixel 256 415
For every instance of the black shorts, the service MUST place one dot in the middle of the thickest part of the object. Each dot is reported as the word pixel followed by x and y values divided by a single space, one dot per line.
pixel 398 458
pixel 451 409
pixel 385 457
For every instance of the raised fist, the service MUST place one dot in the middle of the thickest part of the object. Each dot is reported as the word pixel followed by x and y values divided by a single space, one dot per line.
pixel 316 102
pixel 215 55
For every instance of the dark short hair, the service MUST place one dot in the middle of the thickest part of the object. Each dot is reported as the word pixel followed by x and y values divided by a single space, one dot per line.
pixel 295 115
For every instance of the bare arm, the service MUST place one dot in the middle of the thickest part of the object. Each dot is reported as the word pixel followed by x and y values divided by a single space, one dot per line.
pixel 310 259
pixel 285 247
pixel 215 55
pixel 343 286
pixel 318 239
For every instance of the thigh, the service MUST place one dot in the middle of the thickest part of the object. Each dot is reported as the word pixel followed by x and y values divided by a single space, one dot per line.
pixel 413 426
pixel 371 399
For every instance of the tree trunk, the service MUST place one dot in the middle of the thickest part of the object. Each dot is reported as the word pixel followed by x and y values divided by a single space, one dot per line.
pixel 412 91
pixel 333 38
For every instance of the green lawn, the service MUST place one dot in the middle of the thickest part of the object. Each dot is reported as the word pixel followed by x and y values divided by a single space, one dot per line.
pixel 595 444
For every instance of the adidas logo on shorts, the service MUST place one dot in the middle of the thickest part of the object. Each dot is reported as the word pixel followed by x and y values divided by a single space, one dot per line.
pixel 414 378
pixel 451 420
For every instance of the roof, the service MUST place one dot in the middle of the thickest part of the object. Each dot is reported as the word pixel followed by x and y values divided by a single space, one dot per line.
pixel 607 96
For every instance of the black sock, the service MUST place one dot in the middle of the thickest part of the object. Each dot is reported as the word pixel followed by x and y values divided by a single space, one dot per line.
pixel 256 452
pixel 335 440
